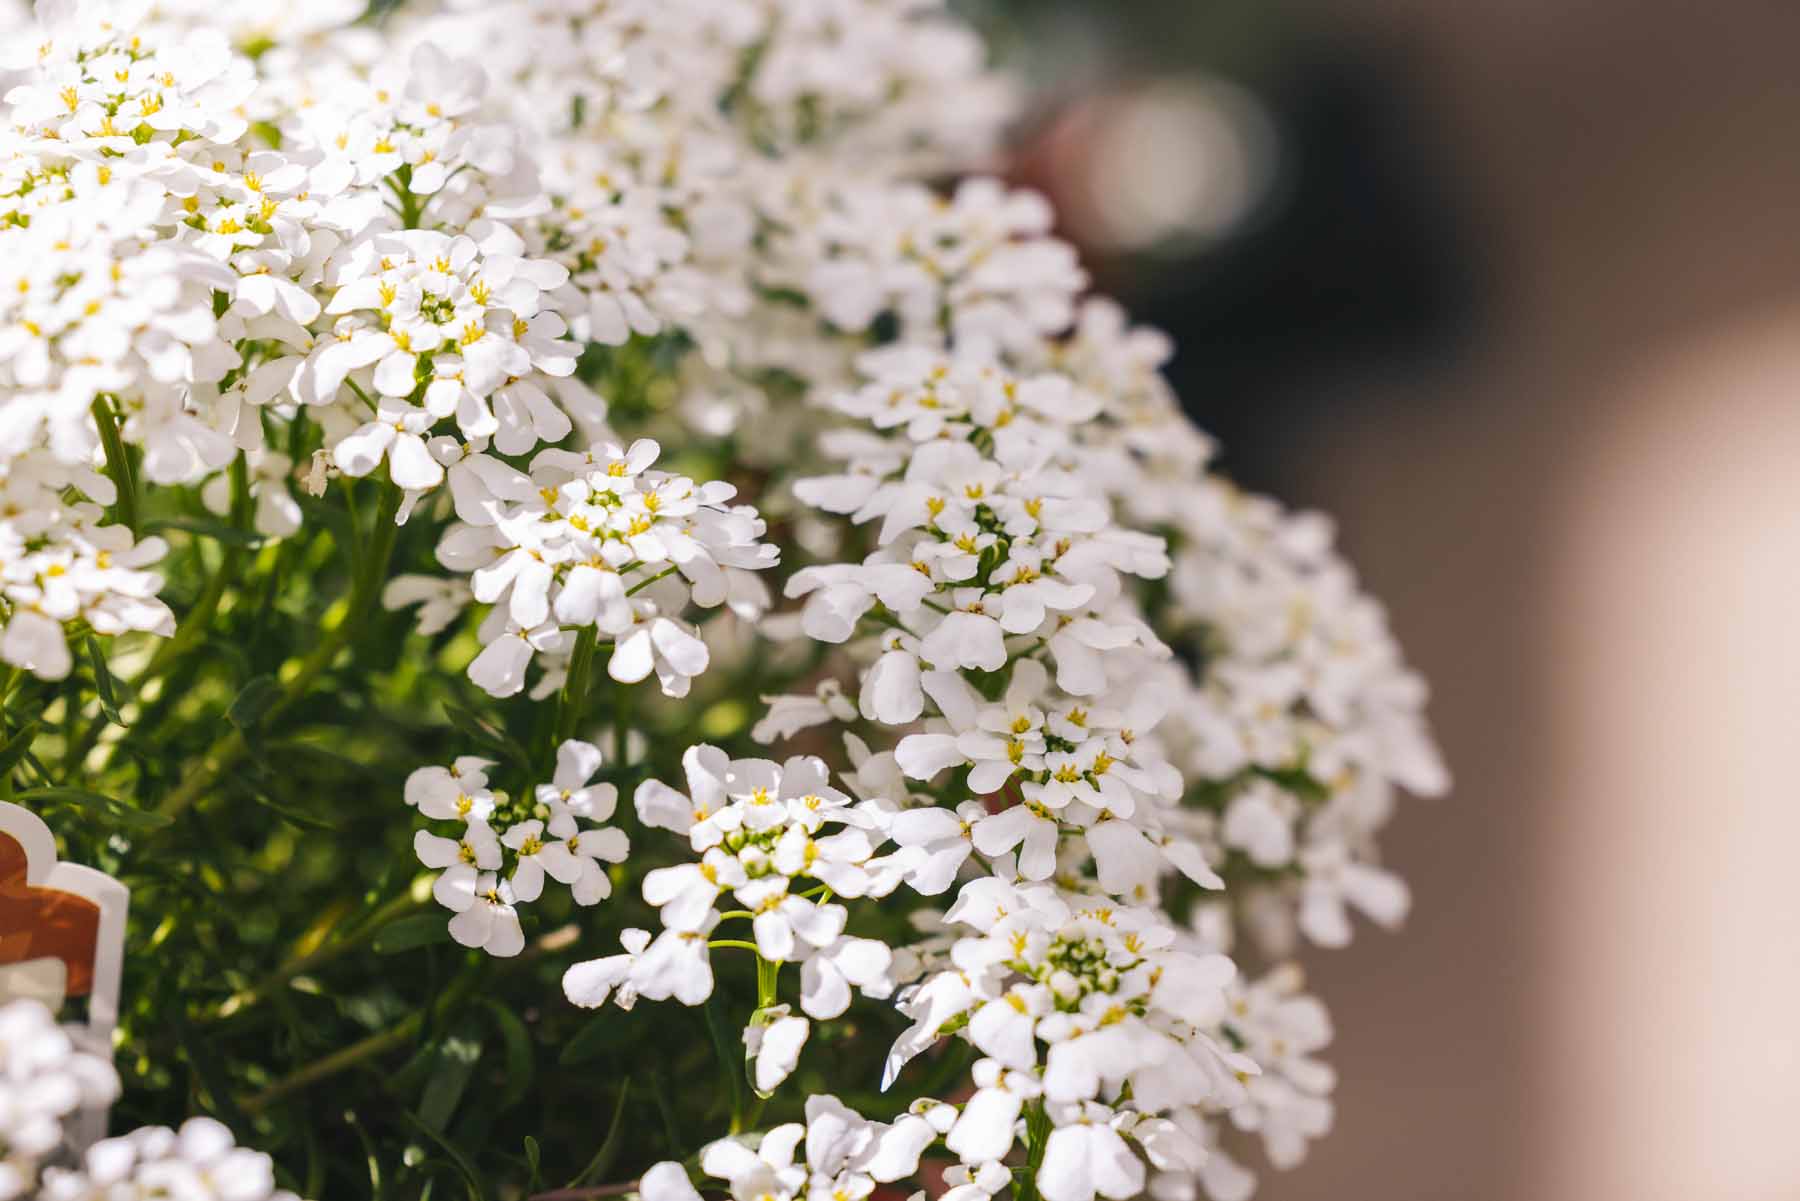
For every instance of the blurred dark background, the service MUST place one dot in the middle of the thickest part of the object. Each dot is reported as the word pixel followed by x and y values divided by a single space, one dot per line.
pixel 1514 292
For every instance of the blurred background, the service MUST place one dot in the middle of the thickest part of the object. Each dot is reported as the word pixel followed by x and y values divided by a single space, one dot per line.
pixel 1513 290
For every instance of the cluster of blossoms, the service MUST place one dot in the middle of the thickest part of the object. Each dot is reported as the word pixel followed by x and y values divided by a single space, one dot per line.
pixel 759 829
pixel 840 1153
pixel 48 1082
pixel 497 260
pixel 553 832
pixel 1088 1009
pixel 45 1082
pixel 1310 723
pixel 60 563
pixel 591 540
pixel 182 282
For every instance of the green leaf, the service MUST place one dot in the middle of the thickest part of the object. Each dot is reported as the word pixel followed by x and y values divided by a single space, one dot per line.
pixel 218 531
pixel 420 930
pixel 464 1168
pixel 456 1058
pixel 118 811
pixel 377 1185
pixel 519 1060
pixel 534 1159
pixel 488 733
pixel 605 1031
pixel 202 1056
pixel 103 683
pixel 609 1146
pixel 314 757
pixel 14 751
pixel 729 1050
pixel 253 702
pixel 258 793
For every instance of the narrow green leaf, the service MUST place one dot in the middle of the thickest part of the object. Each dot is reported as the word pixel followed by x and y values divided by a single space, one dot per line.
pixel 14 751
pixel 218 531
pixel 729 1050
pixel 103 683
pixel 420 930
pixel 534 1159
pixel 488 733
pixel 519 1061
pixel 377 1184
pixel 464 1168
pixel 118 811
pixel 603 1032
pixel 449 1079
pixel 203 1058
pixel 259 794
pixel 609 1146
pixel 253 702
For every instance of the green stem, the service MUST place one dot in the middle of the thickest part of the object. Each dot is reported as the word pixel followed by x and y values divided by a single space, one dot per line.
pixel 649 580
pixel 118 464
pixel 199 619
pixel 369 575
pixel 575 688
pixel 768 976
pixel 193 625
pixel 399 907
pixel 621 724
pixel 1037 1136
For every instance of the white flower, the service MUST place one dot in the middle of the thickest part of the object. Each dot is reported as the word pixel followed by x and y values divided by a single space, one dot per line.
pixel 827 975
pixel 667 1182
pixel 467 859
pixel 500 667
pixel 788 715
pixel 1334 880
pixel 946 839
pixel 589 983
pixel 1036 828
pixel 397 435
pixel 491 919
pixel 676 965
pixel 1085 1156
pixel 773 1045
pixel 985 1130
pixel 455 793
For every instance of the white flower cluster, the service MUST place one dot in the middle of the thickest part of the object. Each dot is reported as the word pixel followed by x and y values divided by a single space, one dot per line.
pixel 836 1152
pixel 199 1162
pixel 1090 1010
pixel 61 563
pixel 1086 682
pixel 200 251
pixel 1310 719
pixel 1302 719
pixel 45 1080
pixel 999 449
pixel 759 829
pixel 555 833
pixel 595 539
pixel 995 592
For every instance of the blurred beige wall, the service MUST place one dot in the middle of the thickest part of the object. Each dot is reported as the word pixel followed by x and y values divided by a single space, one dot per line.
pixel 1588 529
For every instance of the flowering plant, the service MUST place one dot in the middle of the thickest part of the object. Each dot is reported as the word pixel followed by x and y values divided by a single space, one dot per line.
pixel 439 453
